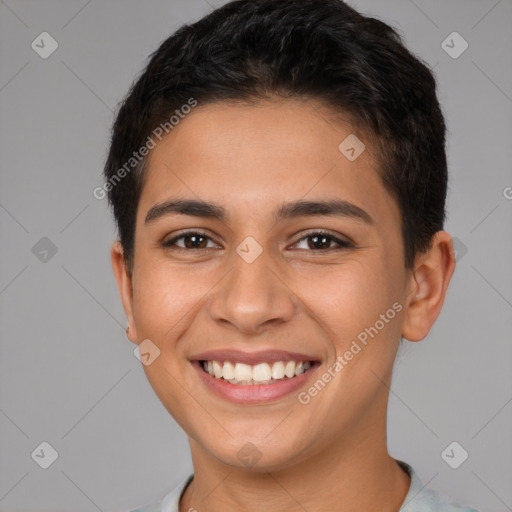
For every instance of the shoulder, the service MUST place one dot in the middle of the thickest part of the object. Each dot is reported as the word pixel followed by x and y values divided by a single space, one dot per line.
pixel 421 498
pixel 170 503
pixel 155 507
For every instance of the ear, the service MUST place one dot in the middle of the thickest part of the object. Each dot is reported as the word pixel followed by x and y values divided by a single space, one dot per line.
pixel 427 287
pixel 124 283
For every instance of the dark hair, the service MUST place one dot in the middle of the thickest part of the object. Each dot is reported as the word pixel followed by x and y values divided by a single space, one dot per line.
pixel 249 50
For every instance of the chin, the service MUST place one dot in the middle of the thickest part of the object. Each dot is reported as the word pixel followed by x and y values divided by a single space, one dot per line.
pixel 258 455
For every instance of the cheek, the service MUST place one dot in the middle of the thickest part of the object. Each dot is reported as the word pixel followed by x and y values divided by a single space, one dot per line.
pixel 357 308
pixel 350 298
pixel 162 297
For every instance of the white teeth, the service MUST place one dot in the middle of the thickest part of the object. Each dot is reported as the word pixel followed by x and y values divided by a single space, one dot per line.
pixel 278 370
pixel 217 370
pixel 228 371
pixel 243 372
pixel 289 369
pixel 262 373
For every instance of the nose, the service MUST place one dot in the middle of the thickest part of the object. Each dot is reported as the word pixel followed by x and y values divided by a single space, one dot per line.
pixel 253 296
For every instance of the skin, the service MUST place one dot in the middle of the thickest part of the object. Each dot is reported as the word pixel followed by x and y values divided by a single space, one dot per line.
pixel 330 454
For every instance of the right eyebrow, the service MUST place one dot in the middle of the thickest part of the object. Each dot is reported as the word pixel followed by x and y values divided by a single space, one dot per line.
pixel 301 208
pixel 186 207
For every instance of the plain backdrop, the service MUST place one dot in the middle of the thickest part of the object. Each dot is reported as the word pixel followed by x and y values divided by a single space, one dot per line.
pixel 68 375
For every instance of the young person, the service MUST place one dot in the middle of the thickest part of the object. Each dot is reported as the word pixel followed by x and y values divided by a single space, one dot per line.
pixel 278 178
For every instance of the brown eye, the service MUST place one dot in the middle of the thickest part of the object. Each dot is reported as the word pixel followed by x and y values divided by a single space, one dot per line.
pixel 191 240
pixel 316 241
pixel 319 240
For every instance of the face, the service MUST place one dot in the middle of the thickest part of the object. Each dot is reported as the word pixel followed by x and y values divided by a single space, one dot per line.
pixel 253 281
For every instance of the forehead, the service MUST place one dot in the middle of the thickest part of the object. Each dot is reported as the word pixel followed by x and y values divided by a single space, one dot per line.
pixel 247 155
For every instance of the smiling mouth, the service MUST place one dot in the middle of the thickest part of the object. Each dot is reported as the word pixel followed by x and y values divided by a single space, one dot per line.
pixel 242 374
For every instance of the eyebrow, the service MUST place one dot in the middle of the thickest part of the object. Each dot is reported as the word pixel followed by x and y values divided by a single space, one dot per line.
pixel 300 208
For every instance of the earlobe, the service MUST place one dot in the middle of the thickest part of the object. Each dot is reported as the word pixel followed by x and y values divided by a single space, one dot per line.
pixel 428 286
pixel 124 284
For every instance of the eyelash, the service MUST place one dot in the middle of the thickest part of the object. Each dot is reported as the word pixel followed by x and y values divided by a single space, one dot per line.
pixel 343 244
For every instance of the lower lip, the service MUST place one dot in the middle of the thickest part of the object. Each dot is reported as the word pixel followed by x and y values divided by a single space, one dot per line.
pixel 253 393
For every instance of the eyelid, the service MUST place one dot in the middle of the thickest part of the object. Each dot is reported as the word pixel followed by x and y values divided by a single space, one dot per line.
pixel 340 241
pixel 169 242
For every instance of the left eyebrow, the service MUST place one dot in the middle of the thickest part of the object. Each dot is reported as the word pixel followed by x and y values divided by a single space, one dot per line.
pixel 191 207
pixel 301 208
pixel 333 207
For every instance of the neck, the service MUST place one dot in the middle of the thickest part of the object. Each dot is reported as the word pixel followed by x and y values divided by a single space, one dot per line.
pixel 347 477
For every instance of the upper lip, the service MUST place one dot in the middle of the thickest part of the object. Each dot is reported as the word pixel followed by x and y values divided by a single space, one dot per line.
pixel 251 358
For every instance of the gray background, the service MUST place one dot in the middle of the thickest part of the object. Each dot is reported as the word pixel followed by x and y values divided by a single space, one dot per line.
pixel 68 375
